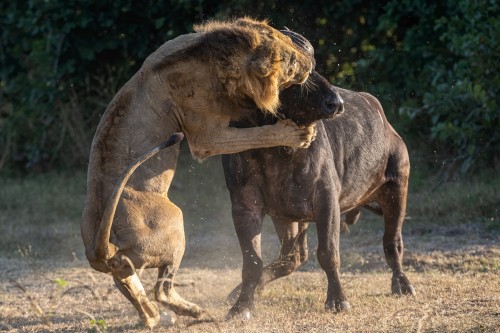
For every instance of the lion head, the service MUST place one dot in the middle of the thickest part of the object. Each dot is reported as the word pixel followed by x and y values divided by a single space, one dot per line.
pixel 254 60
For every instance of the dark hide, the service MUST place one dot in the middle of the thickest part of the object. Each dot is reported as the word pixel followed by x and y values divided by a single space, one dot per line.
pixel 357 159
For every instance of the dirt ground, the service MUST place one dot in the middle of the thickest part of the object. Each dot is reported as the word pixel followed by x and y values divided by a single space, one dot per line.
pixel 455 271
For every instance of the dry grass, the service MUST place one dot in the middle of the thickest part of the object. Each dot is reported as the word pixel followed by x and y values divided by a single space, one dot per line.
pixel 453 262
pixel 446 302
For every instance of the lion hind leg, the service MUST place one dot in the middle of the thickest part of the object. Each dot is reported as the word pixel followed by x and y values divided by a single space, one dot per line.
pixel 131 287
pixel 168 296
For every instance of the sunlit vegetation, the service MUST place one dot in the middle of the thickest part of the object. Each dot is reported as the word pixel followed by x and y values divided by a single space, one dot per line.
pixel 432 64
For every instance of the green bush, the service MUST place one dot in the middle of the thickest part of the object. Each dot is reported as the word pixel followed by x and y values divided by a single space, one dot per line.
pixel 463 103
pixel 438 66
pixel 61 63
pixel 432 64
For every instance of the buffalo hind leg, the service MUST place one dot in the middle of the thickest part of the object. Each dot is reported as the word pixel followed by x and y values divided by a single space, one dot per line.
pixel 166 295
pixel 394 208
pixel 131 287
pixel 293 254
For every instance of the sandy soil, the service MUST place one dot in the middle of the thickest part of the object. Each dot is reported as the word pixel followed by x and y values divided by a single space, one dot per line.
pixel 455 271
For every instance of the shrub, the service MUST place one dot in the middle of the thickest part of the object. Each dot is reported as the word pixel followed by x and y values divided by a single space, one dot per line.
pixel 61 63
pixel 440 61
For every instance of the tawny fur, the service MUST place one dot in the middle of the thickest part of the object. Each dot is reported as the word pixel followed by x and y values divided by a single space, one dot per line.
pixel 194 84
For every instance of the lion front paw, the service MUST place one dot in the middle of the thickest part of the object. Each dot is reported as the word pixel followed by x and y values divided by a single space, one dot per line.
pixel 297 136
pixel 308 136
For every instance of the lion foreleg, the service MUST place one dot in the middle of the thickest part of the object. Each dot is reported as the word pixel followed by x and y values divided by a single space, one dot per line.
pixel 232 140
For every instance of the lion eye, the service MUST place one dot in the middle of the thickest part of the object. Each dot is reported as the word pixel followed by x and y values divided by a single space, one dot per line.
pixel 292 69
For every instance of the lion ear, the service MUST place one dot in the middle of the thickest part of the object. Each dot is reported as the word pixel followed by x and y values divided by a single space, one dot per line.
pixel 261 62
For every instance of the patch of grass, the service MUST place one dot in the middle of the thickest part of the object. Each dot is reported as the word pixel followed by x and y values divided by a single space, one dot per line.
pixel 41 213
pixel 472 200
pixel 99 325
pixel 42 199
pixel 60 282
pixel 452 258
pixel 445 302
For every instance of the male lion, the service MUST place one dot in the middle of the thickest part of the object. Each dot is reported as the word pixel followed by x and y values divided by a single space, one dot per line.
pixel 194 84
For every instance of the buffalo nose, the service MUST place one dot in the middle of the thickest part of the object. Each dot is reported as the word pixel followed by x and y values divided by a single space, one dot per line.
pixel 334 104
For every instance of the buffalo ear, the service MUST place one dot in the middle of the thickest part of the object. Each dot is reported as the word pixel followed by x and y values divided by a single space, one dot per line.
pixel 262 62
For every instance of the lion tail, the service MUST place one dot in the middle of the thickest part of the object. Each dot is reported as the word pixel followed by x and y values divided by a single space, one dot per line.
pixel 102 246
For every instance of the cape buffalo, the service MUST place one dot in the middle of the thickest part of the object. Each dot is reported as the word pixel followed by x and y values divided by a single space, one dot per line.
pixel 357 159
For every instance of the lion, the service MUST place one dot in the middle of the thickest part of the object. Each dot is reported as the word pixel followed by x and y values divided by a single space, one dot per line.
pixel 190 86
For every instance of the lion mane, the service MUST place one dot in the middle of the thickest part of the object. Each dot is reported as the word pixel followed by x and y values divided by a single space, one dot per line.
pixel 246 59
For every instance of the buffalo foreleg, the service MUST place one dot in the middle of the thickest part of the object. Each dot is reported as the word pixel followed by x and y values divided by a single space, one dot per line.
pixel 328 227
pixel 293 253
pixel 248 224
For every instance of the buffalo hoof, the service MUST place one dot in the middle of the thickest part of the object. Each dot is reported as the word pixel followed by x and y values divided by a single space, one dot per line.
pixel 242 312
pixel 402 286
pixel 244 315
pixel 408 290
pixel 339 306
pixel 167 319
pixel 233 295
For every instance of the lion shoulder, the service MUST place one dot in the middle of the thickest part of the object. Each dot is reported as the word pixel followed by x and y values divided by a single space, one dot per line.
pixel 173 50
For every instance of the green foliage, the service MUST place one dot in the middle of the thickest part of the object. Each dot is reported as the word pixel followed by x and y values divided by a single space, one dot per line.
pixel 99 325
pixel 463 103
pixel 443 57
pixel 432 64
pixel 61 283
pixel 62 61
